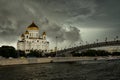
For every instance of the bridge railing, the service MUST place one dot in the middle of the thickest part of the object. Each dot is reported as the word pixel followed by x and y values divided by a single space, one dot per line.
pixel 93 45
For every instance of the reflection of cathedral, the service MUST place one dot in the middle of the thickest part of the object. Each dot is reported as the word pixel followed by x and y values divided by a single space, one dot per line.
pixel 31 40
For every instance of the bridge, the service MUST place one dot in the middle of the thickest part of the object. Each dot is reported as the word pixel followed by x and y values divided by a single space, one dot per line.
pixel 88 46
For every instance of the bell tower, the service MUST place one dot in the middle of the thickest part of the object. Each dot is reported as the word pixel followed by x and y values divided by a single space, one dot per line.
pixel 44 35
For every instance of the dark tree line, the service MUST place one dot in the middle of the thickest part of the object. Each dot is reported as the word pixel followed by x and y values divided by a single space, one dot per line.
pixel 9 51
pixel 95 53
pixel 35 54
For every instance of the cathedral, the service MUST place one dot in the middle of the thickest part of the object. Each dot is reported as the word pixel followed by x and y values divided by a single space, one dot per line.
pixel 32 40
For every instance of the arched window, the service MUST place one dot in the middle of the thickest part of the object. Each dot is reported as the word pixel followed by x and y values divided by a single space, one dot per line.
pixel 37 40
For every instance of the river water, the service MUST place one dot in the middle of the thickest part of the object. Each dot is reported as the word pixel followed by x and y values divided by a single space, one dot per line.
pixel 104 70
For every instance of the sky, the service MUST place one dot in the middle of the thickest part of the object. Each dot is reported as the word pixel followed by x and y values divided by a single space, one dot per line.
pixel 72 21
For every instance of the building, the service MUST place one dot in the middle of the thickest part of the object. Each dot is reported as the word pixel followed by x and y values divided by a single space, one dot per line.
pixel 31 40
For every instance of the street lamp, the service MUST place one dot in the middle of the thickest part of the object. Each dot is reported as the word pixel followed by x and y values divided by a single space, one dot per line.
pixel 74 45
pixel 80 43
pixel 116 37
pixel 56 44
pixel 97 40
pixel 106 39
pixel 86 42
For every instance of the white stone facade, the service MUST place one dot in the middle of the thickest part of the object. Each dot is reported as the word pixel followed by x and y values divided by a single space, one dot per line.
pixel 31 40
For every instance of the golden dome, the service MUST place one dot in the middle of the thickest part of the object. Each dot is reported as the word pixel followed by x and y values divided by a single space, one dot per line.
pixel 44 33
pixel 26 32
pixel 33 26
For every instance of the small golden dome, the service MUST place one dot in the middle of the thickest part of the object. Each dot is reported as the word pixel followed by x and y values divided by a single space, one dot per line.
pixel 33 26
pixel 44 33
pixel 22 35
pixel 26 32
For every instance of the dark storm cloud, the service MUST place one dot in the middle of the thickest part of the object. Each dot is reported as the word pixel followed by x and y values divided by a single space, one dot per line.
pixel 107 14
pixel 17 15
pixel 56 16
pixel 63 10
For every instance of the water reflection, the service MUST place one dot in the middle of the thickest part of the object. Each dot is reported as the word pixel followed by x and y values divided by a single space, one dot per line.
pixel 109 70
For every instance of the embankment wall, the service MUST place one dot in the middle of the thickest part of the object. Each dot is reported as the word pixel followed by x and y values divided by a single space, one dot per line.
pixel 53 59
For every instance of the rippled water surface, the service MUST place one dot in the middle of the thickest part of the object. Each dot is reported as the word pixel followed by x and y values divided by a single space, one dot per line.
pixel 106 70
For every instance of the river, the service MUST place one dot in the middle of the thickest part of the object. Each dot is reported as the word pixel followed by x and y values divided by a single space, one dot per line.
pixel 103 70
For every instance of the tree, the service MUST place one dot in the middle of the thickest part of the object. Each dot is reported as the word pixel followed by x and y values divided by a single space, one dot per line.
pixel 21 53
pixel 52 54
pixel 35 53
pixel 91 53
pixel 116 54
pixel 8 51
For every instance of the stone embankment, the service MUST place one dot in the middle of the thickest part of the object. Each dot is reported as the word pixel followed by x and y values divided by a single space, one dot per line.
pixel 24 61
pixel 53 59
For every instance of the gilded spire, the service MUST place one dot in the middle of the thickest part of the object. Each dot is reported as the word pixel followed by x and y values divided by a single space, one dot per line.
pixel 22 35
pixel 44 33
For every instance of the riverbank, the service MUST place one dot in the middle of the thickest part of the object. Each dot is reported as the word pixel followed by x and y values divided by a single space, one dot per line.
pixel 19 61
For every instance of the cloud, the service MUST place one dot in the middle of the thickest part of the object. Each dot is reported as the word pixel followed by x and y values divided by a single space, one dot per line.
pixel 71 34
pixel 17 15
pixel 61 10
pixel 60 18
